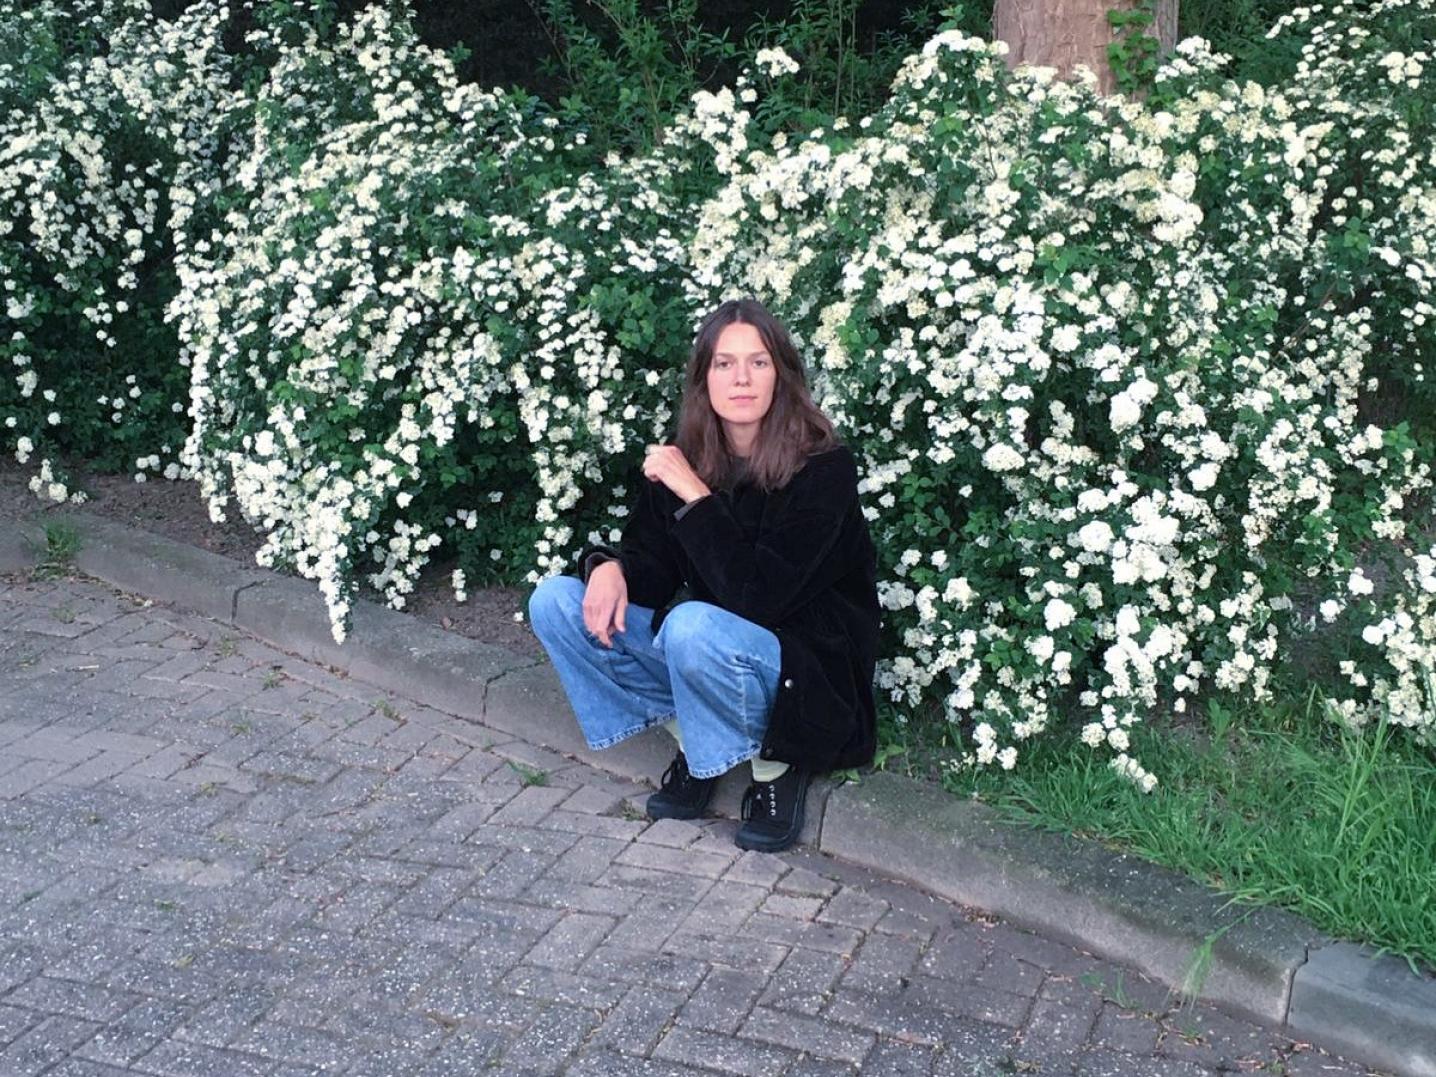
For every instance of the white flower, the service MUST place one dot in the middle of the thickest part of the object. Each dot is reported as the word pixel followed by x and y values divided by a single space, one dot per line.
pixel 775 62
pixel 1002 457
pixel 1041 648
pixel 1204 477
pixel 1124 412
pixel 1058 614
pixel 1096 537
pixel 1358 584
pixel 1066 338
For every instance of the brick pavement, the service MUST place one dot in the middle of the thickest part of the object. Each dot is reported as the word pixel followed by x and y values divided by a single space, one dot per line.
pixel 218 859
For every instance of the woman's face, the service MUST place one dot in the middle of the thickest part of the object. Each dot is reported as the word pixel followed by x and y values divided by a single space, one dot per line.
pixel 741 378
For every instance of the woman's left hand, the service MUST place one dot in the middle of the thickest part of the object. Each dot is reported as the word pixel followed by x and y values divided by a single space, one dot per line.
pixel 668 465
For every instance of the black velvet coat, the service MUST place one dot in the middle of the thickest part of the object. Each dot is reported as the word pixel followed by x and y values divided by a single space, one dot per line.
pixel 798 561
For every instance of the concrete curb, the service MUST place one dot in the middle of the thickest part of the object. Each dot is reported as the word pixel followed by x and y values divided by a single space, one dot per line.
pixel 1113 905
pixel 1260 962
pixel 16 551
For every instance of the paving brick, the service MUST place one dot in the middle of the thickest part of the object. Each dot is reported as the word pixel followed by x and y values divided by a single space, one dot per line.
pixel 604 1062
pixel 532 803
pixel 596 799
pixel 602 825
pixel 852 908
pixel 662 883
pixel 735 952
pixel 29 775
pixel 139 1031
pixel 580 897
pixel 14 1020
pixel 757 869
pixel 587 859
pixel 173 1058
pixel 1059 1026
pixel 722 1001
pixel 460 821
pixel 883 964
pixel 673 972
pixel 1215 1040
pixel 676 833
pixel 52 745
pixel 222 1020
pixel 1125 1030
pixel 550 985
pixel 891 1058
pixel 554 1035
pixel 639 1020
pixel 681 861
pixel 806 883
pixel 804 982
pixel 913 1021
pixel 971 1000
pixel 722 1053
pixel 1004 973
pixel 570 941
pixel 795 908
pixel 44 1044
pixel 91 1002
pixel 814 936
pixel 821 1038
pixel 1101 1062
pixel 432 895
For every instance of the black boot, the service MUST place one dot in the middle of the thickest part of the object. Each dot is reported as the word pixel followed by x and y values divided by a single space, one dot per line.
pixel 773 812
pixel 681 796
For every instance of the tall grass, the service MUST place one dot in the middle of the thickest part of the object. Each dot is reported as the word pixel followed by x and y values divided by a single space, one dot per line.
pixel 1273 806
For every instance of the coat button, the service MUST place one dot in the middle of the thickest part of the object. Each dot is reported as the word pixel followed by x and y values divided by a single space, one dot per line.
pixel 788 683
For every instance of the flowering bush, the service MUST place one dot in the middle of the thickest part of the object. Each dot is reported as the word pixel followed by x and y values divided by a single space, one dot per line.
pixel 1141 390
pixel 1112 365
pixel 98 103
pixel 415 323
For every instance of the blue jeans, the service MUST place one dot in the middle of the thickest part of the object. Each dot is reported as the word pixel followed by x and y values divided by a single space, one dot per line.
pixel 712 669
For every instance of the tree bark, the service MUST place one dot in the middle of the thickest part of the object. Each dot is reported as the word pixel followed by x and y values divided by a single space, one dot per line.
pixel 1065 33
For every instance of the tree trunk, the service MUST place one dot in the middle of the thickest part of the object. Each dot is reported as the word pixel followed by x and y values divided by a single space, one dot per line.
pixel 1065 33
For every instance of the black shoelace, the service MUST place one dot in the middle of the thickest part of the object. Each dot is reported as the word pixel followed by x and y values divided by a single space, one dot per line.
pixel 760 793
pixel 678 774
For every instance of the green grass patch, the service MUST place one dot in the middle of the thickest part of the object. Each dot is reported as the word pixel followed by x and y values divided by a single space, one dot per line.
pixel 57 557
pixel 1273 805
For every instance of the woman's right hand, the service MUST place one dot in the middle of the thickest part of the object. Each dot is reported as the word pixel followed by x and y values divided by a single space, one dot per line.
pixel 605 602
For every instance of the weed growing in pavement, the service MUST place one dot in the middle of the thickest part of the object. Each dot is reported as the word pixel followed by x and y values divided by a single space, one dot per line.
pixel 529 775
pixel 62 543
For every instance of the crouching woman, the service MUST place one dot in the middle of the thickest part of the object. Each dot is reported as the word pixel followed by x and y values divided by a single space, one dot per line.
pixel 769 661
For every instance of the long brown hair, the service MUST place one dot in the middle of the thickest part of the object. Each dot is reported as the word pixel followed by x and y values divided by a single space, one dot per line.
pixel 793 428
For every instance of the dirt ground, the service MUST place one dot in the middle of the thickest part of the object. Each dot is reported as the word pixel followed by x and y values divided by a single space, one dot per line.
pixel 176 511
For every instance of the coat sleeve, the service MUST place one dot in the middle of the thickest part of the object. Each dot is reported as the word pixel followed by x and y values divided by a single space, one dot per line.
pixel 646 552
pixel 793 556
